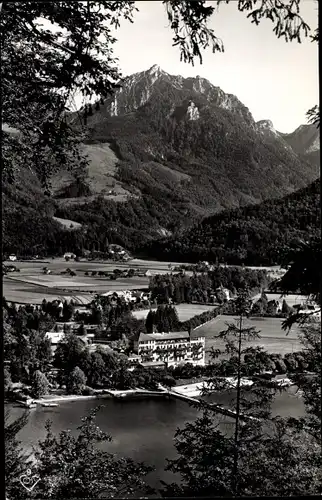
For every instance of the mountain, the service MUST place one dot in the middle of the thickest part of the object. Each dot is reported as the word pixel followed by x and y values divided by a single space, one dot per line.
pixel 164 152
pixel 254 235
pixel 187 140
pixel 305 141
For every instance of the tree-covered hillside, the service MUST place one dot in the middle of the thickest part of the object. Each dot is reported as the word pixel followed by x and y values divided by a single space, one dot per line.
pixel 190 142
pixel 256 234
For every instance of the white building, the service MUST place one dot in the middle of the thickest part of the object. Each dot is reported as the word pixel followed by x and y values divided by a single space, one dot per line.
pixel 55 338
pixel 172 348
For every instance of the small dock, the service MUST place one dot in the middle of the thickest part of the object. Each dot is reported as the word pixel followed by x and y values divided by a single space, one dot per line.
pixel 134 393
pixel 212 406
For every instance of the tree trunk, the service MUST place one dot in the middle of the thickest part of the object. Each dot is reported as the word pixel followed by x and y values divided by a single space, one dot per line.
pixel 235 467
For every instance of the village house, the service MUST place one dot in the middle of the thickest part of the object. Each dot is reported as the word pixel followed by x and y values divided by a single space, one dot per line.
pixel 172 348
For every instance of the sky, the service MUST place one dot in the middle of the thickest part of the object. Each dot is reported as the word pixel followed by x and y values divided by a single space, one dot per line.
pixel 276 80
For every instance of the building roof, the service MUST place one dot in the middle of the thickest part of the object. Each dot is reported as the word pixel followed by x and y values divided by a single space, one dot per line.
pixel 164 336
pixel 54 337
pixel 146 364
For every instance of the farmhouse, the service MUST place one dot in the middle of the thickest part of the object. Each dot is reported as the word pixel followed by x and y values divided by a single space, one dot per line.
pixel 171 348
pixel 12 258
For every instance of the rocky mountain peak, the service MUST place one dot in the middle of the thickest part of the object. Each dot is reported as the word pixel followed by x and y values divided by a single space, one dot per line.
pixel 155 69
pixel 173 90
pixel 263 125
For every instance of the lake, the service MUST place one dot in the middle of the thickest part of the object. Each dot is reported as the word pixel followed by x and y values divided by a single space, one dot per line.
pixel 142 430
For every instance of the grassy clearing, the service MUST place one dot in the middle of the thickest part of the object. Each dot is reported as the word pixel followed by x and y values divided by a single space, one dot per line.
pixel 268 327
pixel 272 337
pixel 68 224
pixel 185 311
pixel 291 299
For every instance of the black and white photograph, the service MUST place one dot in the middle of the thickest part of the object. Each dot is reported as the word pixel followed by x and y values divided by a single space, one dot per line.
pixel 161 249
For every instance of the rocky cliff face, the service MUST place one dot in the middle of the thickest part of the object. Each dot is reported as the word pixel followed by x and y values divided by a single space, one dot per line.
pixel 141 87
pixel 305 141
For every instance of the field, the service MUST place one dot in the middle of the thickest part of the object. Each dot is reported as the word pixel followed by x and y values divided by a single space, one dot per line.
pixel 59 264
pixel 272 337
pixel 185 311
pixel 24 293
pixel 68 224
pixel 30 285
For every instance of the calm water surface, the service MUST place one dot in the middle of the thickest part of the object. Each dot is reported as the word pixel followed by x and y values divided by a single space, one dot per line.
pixel 142 430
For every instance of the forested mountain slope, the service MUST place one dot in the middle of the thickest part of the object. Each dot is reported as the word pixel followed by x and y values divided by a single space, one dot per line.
pixel 256 234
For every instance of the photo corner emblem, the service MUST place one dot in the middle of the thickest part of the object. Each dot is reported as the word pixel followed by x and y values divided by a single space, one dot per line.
pixel 29 480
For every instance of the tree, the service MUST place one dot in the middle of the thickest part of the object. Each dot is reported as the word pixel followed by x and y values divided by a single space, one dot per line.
pixel 213 463
pixel 310 384
pixel 280 366
pixel 169 381
pixel 149 321
pixel 68 311
pixel 48 67
pixel 122 379
pixel 7 379
pixel 272 308
pixel 286 309
pixel 303 275
pixel 16 461
pixel 76 381
pixel 290 362
pixel 40 384
pixel 96 374
pixel 258 308
pixel 40 352
pixel 72 466
pixel 68 353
